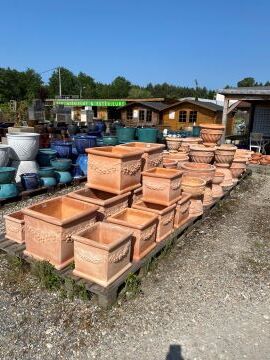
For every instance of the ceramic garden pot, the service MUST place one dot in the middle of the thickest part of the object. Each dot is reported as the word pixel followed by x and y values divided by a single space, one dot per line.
pixel 63 148
pixel 217 190
pixel 45 156
pixel 110 140
pixel 179 157
pixel 82 162
pixel 23 146
pixel 169 163
pixel 24 167
pixel 147 135
pixel 161 186
pixel 237 169
pixel 224 154
pixel 46 171
pixel 7 175
pixel 8 191
pixel 14 223
pixel 201 154
pixel 61 164
pixel 63 177
pixel 102 253
pixel 49 226
pixel 194 186
pixel 4 155
pixel 188 141
pixel 30 181
pixel 76 171
pixel 165 217
pixel 114 169
pixel 211 133
pixel 182 210
pixel 83 142
pixel 48 181
pixel 203 171
pixel 227 182
pixel 173 143
pixel 125 134
pixel 143 225
pixel 108 203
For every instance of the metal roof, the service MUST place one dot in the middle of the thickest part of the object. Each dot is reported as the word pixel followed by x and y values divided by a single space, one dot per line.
pixel 253 90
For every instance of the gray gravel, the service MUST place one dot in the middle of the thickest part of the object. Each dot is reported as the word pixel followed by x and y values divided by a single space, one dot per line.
pixel 210 297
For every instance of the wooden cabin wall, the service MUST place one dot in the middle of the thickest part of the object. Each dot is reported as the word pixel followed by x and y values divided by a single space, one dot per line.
pixel 136 121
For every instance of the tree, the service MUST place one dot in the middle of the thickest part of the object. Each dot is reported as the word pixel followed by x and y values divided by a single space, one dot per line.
pixel 69 82
pixel 87 86
pixel 138 92
pixel 247 82
pixel 120 87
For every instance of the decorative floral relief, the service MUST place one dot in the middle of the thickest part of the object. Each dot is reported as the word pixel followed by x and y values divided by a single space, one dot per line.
pixel 76 229
pixel 115 209
pixel 132 168
pixel 119 255
pixel 168 219
pixel 184 207
pixel 90 257
pixel 41 236
pixel 154 162
pixel 14 228
pixel 148 233
pixel 129 169
pixel 154 186
pixel 175 185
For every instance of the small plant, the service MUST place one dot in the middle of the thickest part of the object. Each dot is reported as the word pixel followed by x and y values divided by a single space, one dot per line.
pixel 132 286
pixel 71 289
pixel 45 273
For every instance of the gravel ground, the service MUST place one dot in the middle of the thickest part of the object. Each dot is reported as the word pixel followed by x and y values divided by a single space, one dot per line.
pixel 209 298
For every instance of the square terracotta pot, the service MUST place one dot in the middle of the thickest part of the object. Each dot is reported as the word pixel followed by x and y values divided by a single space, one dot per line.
pixel 143 226
pixel 152 153
pixel 165 217
pixel 136 195
pixel 114 169
pixel 49 226
pixel 182 210
pixel 102 253
pixel 108 203
pixel 15 226
pixel 161 186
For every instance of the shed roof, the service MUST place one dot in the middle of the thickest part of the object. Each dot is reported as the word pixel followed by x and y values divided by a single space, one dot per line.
pixel 158 106
pixel 253 90
pixel 204 104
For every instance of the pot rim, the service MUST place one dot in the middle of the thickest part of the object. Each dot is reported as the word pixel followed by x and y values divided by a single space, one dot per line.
pixel 115 197
pixel 21 135
pixel 140 205
pixel 153 219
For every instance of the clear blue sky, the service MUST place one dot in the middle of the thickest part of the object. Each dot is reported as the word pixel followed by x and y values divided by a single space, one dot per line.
pixel 216 42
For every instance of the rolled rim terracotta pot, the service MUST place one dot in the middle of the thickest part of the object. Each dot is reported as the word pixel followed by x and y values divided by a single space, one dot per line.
pixel 23 146
pixel 203 171
pixel 169 163
pixel 227 181
pixel 218 178
pixel 4 154
pixel 173 143
pixel 212 126
pixel 201 154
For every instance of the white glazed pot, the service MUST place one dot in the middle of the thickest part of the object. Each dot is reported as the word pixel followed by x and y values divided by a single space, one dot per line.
pixel 4 155
pixel 24 167
pixel 24 146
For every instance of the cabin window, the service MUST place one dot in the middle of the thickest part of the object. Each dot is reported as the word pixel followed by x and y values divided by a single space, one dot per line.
pixel 182 116
pixel 193 116
pixel 141 115
pixel 129 114
pixel 149 116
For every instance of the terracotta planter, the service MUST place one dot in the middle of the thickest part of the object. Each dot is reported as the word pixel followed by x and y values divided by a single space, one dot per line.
pixel 203 171
pixel 102 253
pixel 143 226
pixel 161 186
pixel 188 141
pixel 182 210
pixel 136 195
pixel 211 133
pixel 180 157
pixel 15 226
pixel 169 163
pixel 152 153
pixel 201 154
pixel 108 203
pixel 173 143
pixel 165 217
pixel 236 174
pixel 224 154
pixel 49 226
pixel 227 182
pixel 114 169
pixel 208 198
pixel 217 191
pixel 194 186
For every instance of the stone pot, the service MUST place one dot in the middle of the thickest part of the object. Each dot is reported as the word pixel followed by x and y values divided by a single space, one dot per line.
pixel 49 226
pixel 108 203
pixel 7 175
pixel 194 186
pixel 201 154
pixel 217 191
pixel 161 186
pixel 44 156
pixel 165 217
pixel 143 225
pixel 182 210
pixel 4 155
pixel 227 182
pixel 30 181
pixel 169 163
pixel 102 253
pixel 224 154
pixel 173 143
pixel 14 223
pixel 114 169
pixel 23 146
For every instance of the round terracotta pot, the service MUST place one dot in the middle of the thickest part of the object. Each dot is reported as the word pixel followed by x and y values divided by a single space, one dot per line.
pixel 227 182
pixel 188 141
pixel 236 172
pixel 178 157
pixel 193 185
pixel 264 162
pixel 169 163
pixel 224 154
pixel 173 143
pixel 211 136
pixel 218 178
pixel 203 171
pixel 201 154
pixel 217 191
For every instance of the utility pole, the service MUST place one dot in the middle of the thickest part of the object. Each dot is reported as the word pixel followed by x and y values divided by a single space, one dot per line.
pixel 60 84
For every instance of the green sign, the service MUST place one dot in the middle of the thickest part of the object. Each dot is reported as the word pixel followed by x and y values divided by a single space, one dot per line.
pixel 114 103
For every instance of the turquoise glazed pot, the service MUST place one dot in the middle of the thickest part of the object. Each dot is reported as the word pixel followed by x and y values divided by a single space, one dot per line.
pixel 61 164
pixel 63 177
pixel 47 171
pixel 125 134
pixel 110 140
pixel 7 175
pixel 147 135
pixel 8 191
pixel 44 156
pixel 48 181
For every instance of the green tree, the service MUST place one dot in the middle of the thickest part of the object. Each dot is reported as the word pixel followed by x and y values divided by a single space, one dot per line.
pixel 87 86
pixel 69 82
pixel 138 92
pixel 247 82
pixel 120 87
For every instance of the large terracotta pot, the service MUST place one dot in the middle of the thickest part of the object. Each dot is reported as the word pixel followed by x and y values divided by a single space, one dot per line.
pixel 108 203
pixel 102 253
pixel 23 146
pixel 180 157
pixel 182 210
pixel 15 226
pixel 173 143
pixel 227 182
pixel 114 169
pixel 4 155
pixel 143 225
pixel 211 133
pixel 188 141
pixel 203 171
pixel 217 190
pixel 49 226
pixel 165 217
pixel 201 154
pixel 152 153
pixel 224 154
pixel 194 186
pixel 161 186
pixel 169 163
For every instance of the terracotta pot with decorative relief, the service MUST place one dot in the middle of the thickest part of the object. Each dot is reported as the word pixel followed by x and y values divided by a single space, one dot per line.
pixel 108 203
pixel 143 225
pixel 182 210
pixel 201 154
pixel 188 141
pixel 173 143
pixel 224 153
pixel 102 253
pixel 239 162
pixel 211 133
pixel 165 217
pixel 15 227
pixel 180 157
pixel 49 226
pixel 152 153
pixel 237 169
pixel 217 190
pixel 161 186
pixel 114 169
pixel 227 182
pixel 136 195
pixel 200 170
pixel 169 163
pixel 194 186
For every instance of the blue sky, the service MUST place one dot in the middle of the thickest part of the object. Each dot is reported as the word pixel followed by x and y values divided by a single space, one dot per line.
pixel 216 42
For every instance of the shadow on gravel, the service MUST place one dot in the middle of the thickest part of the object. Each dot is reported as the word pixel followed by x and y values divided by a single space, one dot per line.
pixel 174 353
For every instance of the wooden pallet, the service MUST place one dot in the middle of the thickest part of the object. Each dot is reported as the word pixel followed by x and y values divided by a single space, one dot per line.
pixel 107 296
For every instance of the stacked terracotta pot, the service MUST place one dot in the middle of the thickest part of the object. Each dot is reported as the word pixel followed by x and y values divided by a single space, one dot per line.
pixel 211 134
pixel 224 156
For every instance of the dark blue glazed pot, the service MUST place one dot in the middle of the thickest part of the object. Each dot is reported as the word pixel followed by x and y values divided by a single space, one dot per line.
pixel 48 181
pixel 95 133
pixel 61 164
pixel 100 125
pixel 83 142
pixel 30 181
pixel 44 156
pixel 7 174
pixel 63 148
pixel 63 177
pixel 8 191
pixel 82 161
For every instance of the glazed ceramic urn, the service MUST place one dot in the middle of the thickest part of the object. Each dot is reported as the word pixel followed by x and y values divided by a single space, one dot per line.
pixel 49 227
pixel 23 146
pixel 165 217
pixel 14 223
pixel 194 186
pixel 201 154
pixel 152 153
pixel 102 253
pixel 161 186
pixel 108 203
pixel 211 133
pixel 143 225
pixel 114 169
pixel 182 210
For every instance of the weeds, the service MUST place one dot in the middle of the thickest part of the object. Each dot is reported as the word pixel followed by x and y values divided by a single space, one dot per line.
pixel 46 274
pixel 70 289
pixel 132 286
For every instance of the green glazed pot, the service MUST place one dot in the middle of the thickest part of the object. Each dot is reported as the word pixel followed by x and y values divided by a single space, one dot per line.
pixel 110 140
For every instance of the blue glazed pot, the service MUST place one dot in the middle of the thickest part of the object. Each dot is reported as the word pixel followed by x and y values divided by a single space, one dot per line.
pixel 82 161
pixel 63 177
pixel 61 164
pixel 76 171
pixel 95 133
pixel 8 191
pixel 100 125
pixel 47 171
pixel 48 181
pixel 30 181
pixel 83 142
pixel 44 156
pixel 7 174
pixel 63 148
